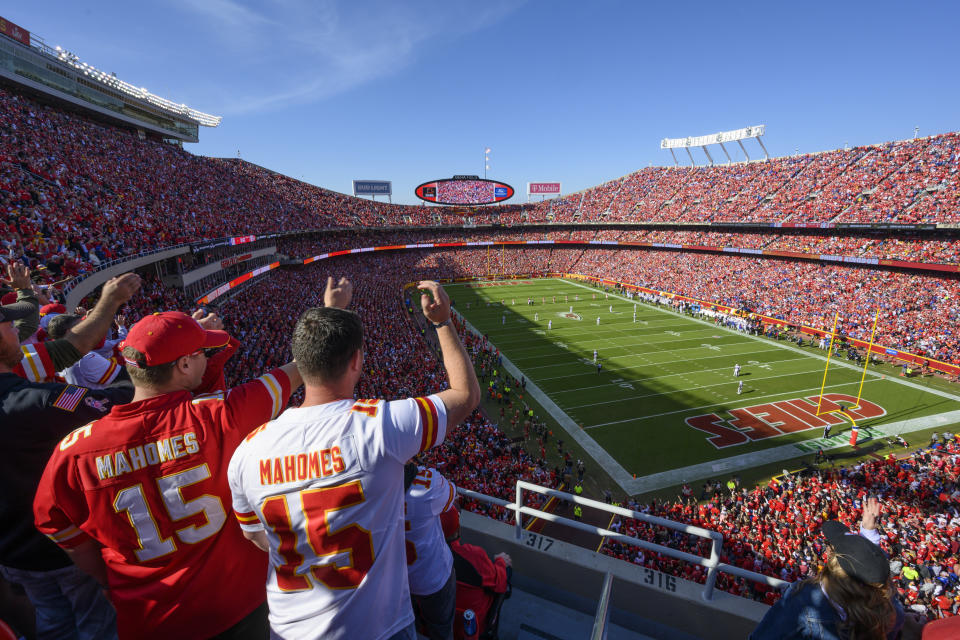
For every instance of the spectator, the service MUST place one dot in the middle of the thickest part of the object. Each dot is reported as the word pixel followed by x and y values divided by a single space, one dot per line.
pixel 93 371
pixel 851 597
pixel 356 487
pixel 37 415
pixel 433 582
pixel 482 584
pixel 137 497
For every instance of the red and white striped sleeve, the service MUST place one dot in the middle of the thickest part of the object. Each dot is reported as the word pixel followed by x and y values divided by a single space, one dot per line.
pixel 418 424
pixel 36 365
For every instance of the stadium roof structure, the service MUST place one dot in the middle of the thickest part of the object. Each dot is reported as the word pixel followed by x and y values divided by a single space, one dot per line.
pixel 55 72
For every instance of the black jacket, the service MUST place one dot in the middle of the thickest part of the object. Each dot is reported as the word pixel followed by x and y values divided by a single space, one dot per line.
pixel 34 417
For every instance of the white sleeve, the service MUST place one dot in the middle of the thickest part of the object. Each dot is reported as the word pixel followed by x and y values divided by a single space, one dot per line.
pixel 246 516
pixel 97 370
pixel 413 425
pixel 871 534
pixel 443 493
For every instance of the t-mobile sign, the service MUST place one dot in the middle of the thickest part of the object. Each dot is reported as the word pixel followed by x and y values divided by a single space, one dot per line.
pixel 539 188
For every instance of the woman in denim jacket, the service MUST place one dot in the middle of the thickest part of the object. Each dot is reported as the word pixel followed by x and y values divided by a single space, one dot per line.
pixel 851 598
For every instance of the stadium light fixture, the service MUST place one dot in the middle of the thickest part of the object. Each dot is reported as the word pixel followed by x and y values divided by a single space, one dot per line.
pixel 71 59
pixel 737 135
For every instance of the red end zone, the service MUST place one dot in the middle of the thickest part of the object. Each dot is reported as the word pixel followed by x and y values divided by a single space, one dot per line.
pixel 773 419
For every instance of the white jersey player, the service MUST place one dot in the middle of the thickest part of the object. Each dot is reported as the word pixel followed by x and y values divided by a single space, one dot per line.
pixel 594 355
pixel 325 482
pixel 736 370
pixel 549 324
pixel 740 388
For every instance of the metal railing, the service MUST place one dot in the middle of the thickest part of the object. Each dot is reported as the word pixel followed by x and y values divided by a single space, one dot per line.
pixel 602 618
pixel 711 563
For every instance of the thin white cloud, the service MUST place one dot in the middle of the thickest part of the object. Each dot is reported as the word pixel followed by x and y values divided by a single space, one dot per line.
pixel 284 52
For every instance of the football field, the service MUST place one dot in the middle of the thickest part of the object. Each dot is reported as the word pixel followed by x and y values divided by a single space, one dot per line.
pixel 665 408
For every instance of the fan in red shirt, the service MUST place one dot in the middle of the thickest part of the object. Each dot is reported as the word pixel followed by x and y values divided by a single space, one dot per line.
pixel 482 584
pixel 140 497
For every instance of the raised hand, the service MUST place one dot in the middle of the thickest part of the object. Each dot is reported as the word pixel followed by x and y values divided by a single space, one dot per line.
pixel 871 513
pixel 18 275
pixel 435 303
pixel 209 321
pixel 120 289
pixel 339 294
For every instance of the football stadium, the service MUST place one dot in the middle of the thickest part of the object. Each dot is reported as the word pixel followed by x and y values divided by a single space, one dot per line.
pixel 713 397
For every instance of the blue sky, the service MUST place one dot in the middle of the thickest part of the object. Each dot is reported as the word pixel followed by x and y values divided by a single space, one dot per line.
pixel 580 92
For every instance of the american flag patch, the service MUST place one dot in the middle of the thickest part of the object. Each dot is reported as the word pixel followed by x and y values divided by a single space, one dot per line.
pixel 70 398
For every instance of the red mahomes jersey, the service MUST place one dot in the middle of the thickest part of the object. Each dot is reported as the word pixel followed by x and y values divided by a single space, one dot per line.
pixel 325 483
pixel 148 481
pixel 429 560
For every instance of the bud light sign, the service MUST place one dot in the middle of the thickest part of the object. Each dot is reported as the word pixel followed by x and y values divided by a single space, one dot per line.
pixel 372 188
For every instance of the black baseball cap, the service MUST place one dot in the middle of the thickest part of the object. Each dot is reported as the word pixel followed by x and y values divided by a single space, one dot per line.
pixel 858 557
pixel 16 311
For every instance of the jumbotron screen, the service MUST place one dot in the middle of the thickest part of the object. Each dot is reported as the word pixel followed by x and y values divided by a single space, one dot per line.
pixel 464 190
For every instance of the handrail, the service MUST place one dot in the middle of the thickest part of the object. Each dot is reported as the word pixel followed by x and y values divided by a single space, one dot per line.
pixel 712 563
pixel 602 618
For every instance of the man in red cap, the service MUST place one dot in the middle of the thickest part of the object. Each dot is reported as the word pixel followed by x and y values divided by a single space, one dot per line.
pixel 140 498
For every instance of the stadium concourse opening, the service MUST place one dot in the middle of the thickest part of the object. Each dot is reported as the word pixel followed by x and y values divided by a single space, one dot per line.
pixel 649 348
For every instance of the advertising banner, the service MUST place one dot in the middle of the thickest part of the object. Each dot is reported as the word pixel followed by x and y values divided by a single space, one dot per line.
pixel 14 31
pixel 543 188
pixel 372 188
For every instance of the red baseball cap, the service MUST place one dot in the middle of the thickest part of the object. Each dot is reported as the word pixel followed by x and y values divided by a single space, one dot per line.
pixel 53 307
pixel 450 522
pixel 164 337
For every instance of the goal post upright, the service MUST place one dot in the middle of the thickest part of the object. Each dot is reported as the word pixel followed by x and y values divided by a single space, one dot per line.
pixel 866 361
pixel 823 385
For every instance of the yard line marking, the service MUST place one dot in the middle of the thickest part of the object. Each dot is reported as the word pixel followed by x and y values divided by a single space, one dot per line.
pixel 669 375
pixel 788 347
pixel 626 355
pixel 666 393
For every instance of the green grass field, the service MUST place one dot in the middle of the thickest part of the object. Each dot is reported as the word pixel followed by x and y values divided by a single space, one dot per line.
pixel 666 368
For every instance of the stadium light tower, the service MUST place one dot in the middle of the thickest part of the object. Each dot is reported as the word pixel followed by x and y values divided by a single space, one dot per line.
pixel 717 138
pixel 486 162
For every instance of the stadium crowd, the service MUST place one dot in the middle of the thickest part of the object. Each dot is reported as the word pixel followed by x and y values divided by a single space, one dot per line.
pixel 75 195
pixel 773 529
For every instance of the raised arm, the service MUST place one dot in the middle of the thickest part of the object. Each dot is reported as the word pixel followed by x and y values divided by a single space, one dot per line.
pixel 18 278
pixel 464 393
pixel 87 334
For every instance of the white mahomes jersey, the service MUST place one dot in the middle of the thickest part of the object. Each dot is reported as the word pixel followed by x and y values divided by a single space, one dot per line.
pixel 429 559
pixel 326 485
